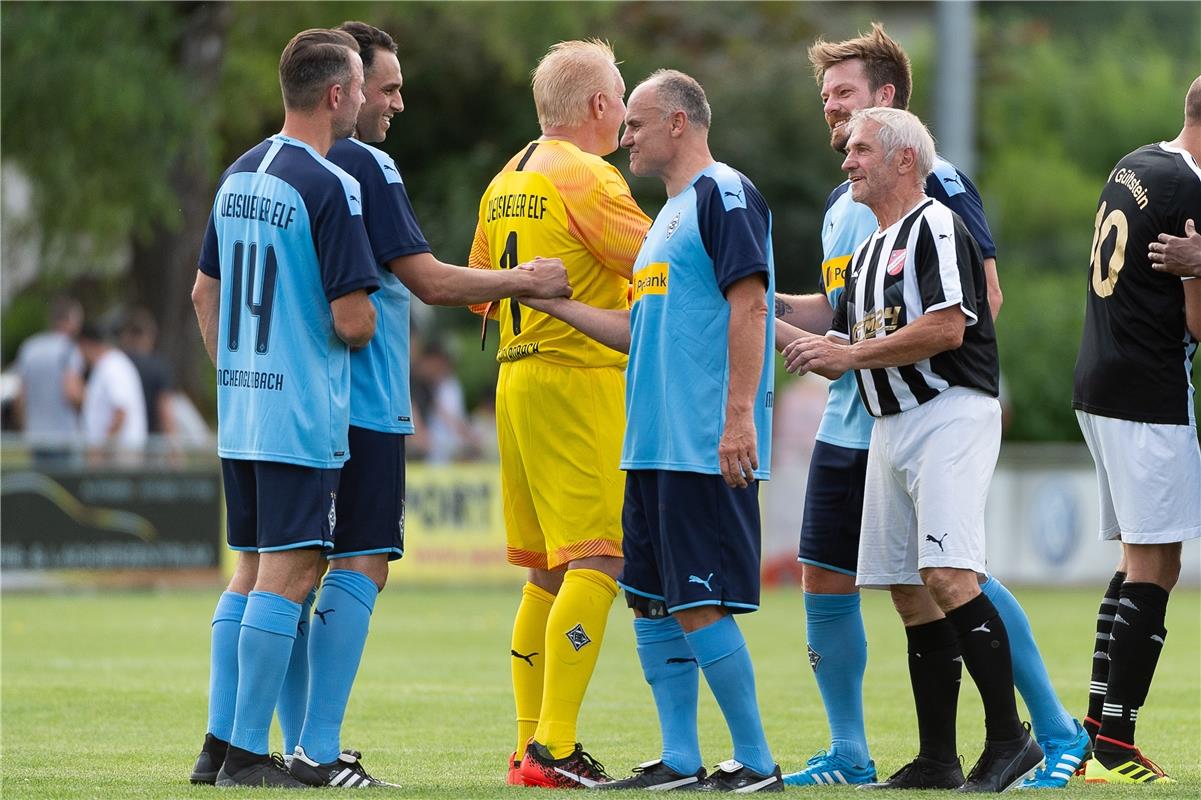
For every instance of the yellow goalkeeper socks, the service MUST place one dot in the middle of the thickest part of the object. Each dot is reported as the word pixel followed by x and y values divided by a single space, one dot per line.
pixel 574 632
pixel 528 657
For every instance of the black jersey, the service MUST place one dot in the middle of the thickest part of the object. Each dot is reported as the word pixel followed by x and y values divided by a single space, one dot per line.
pixel 924 262
pixel 1136 354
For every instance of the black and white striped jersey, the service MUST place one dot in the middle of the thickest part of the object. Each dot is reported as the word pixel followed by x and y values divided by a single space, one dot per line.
pixel 924 262
pixel 1136 353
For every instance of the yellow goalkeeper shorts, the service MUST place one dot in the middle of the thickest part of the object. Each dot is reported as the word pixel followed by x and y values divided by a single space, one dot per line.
pixel 559 430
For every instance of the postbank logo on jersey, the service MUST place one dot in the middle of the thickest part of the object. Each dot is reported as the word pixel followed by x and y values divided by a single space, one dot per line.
pixel 834 273
pixel 651 279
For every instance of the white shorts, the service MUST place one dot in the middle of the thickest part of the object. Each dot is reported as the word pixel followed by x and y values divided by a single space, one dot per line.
pixel 1148 478
pixel 928 471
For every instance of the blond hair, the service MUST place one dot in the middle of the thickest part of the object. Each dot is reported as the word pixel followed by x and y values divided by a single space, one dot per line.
pixel 568 76
pixel 884 61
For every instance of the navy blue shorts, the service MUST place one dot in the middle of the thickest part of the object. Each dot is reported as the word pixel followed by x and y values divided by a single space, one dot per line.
pixel 371 496
pixel 833 508
pixel 274 506
pixel 690 540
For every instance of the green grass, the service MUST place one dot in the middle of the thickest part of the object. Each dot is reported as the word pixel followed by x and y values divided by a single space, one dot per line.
pixel 103 695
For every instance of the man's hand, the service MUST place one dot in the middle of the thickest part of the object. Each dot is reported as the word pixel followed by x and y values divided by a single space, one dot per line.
pixel 817 354
pixel 546 305
pixel 547 278
pixel 738 451
pixel 1179 255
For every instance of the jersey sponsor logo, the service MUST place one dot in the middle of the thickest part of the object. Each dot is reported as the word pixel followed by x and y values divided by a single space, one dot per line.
pixel 578 637
pixel 834 272
pixel 882 319
pixel 896 262
pixel 651 279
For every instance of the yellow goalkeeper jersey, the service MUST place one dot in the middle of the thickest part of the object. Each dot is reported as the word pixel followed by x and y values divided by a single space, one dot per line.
pixel 554 200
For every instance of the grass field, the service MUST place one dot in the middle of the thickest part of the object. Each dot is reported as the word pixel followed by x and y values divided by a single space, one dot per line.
pixel 103 695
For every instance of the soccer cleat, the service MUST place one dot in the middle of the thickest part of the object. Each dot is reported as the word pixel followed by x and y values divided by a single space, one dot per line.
pixel 344 772
pixel 732 776
pixel 1062 758
pixel 1004 764
pixel 270 771
pixel 831 768
pixel 514 776
pixel 577 770
pixel 656 776
pixel 922 773
pixel 208 763
pixel 1134 768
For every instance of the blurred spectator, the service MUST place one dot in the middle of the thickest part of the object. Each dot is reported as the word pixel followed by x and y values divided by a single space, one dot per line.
pixel 114 412
pixel 440 397
pixel 137 338
pixel 51 372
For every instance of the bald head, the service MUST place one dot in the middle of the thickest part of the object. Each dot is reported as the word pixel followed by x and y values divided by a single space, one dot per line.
pixel 1192 105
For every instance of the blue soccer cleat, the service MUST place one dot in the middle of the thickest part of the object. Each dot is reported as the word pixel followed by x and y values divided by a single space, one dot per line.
pixel 1062 758
pixel 831 769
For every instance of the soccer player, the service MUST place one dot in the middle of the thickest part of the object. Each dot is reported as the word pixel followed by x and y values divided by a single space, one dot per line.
pixel 281 296
pixel 913 325
pixel 698 436
pixel 1134 402
pixel 866 71
pixel 559 412
pixel 370 508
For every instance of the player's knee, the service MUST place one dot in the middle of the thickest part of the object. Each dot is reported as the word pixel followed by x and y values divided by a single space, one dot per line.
pixel 647 607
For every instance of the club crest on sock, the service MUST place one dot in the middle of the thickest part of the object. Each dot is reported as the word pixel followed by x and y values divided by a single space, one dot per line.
pixel 815 657
pixel 578 637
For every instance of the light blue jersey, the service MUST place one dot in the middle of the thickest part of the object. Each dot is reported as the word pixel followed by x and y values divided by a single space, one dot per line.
pixel 712 234
pixel 285 238
pixel 845 421
pixel 379 397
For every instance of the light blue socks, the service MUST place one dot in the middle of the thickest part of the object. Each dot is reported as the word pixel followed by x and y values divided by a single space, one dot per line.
pixel 671 670
pixel 223 664
pixel 722 655
pixel 294 695
pixel 838 655
pixel 1048 717
pixel 264 647
pixel 336 638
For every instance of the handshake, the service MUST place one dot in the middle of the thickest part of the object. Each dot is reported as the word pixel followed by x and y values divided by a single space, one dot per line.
pixel 547 284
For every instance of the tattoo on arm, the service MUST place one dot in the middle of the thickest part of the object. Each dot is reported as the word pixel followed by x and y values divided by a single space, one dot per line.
pixel 782 309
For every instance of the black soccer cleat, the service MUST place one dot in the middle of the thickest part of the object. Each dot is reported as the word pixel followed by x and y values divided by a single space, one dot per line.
pixel 265 771
pixel 208 763
pixel 922 773
pixel 1004 764
pixel 656 775
pixel 732 776
pixel 344 772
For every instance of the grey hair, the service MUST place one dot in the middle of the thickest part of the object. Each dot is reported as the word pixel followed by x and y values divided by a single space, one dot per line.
pixel 680 92
pixel 898 129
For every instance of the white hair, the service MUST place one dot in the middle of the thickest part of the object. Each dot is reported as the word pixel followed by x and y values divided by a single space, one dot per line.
pixel 898 129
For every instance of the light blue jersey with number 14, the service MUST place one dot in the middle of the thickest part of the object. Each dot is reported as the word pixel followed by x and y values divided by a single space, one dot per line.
pixel 285 238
